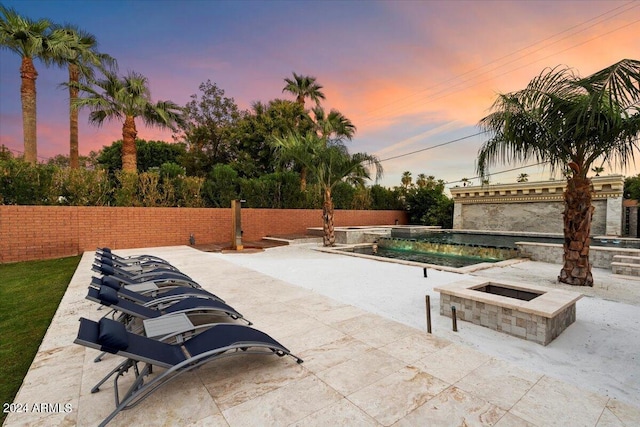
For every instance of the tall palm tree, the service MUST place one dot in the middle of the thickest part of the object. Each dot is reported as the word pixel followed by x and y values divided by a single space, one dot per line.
pixel 335 125
pixel 328 164
pixel 569 122
pixel 304 87
pixel 406 179
pixel 421 181
pixel 31 40
pixel 126 99
pixel 81 60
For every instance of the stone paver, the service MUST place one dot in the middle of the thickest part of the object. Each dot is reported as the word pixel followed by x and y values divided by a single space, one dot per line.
pixel 360 369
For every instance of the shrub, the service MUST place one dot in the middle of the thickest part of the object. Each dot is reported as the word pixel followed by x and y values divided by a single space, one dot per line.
pixel 80 187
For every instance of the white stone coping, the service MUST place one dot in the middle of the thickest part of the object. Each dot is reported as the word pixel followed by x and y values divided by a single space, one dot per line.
pixel 548 304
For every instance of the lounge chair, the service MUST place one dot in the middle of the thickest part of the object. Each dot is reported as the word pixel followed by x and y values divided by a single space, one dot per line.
pixel 192 307
pixel 115 270
pixel 134 268
pixel 157 294
pixel 219 341
pixel 165 277
pixel 131 258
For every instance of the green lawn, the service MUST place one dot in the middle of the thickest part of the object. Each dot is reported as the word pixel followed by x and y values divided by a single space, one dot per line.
pixel 30 293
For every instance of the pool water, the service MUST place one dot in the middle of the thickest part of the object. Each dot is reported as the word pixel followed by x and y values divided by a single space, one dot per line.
pixel 481 239
pixel 505 240
pixel 455 261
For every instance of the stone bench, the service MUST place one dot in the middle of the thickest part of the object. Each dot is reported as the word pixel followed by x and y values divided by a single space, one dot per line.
pixel 531 312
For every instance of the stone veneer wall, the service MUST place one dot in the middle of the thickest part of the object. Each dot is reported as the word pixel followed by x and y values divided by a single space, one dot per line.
pixel 530 327
pixel 534 206
pixel 599 256
pixel 526 217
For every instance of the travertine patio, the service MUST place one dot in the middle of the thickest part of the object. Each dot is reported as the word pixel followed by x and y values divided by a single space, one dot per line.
pixel 360 369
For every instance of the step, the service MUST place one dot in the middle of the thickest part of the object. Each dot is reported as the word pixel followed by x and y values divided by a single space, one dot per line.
pixel 629 259
pixel 625 268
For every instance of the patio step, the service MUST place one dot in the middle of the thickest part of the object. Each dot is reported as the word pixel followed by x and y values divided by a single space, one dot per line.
pixel 628 259
pixel 625 265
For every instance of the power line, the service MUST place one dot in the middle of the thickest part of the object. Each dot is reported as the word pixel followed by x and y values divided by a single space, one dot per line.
pixel 500 172
pixel 434 146
pixel 507 72
pixel 632 4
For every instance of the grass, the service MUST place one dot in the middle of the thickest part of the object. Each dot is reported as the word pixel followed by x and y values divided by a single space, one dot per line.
pixel 30 293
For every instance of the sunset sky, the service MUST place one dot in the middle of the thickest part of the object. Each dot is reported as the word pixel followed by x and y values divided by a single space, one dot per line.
pixel 410 75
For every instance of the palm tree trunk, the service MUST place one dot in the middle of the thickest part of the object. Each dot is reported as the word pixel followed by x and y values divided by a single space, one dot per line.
pixel 129 133
pixel 578 212
pixel 29 75
pixel 303 178
pixel 329 236
pixel 74 74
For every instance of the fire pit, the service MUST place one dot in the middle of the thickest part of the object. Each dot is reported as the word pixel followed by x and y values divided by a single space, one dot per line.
pixel 531 312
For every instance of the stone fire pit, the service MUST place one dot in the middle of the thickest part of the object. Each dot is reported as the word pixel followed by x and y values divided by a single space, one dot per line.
pixel 531 312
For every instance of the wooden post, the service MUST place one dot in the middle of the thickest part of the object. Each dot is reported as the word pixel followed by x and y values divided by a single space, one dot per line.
pixel 454 318
pixel 236 225
pixel 427 301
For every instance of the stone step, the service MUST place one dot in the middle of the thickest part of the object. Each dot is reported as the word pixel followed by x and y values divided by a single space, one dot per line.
pixel 628 259
pixel 625 268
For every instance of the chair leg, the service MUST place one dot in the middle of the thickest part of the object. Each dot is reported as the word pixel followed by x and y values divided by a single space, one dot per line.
pixel 120 369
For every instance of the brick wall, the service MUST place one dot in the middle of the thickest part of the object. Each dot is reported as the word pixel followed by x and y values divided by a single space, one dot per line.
pixel 40 232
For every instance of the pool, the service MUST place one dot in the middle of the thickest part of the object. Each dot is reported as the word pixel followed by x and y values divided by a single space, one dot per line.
pixel 501 239
pixel 447 260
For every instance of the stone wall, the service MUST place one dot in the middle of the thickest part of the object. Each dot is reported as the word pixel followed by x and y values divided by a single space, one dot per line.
pixel 526 216
pixel 599 256
pixel 535 206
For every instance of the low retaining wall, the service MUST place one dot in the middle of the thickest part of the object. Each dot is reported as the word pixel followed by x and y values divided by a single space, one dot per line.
pixel 45 232
pixel 599 256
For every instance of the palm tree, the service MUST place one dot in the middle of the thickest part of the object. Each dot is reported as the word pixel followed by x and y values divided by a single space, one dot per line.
pixel 406 179
pixel 31 40
pixel 82 59
pixel 126 99
pixel 335 125
pixel 523 177
pixel 328 164
pixel 569 122
pixel 597 170
pixel 304 87
pixel 421 181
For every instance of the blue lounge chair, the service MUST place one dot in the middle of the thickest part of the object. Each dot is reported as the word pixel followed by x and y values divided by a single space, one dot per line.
pixel 219 341
pixel 164 277
pixel 166 292
pixel 190 306
pixel 140 267
pixel 130 259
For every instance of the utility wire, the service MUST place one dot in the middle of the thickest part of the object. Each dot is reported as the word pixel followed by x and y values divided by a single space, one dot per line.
pixel 500 172
pixel 633 5
pixel 433 146
pixel 500 75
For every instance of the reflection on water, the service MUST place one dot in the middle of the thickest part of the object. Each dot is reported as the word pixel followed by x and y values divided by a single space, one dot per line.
pixel 455 261
pixel 495 239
